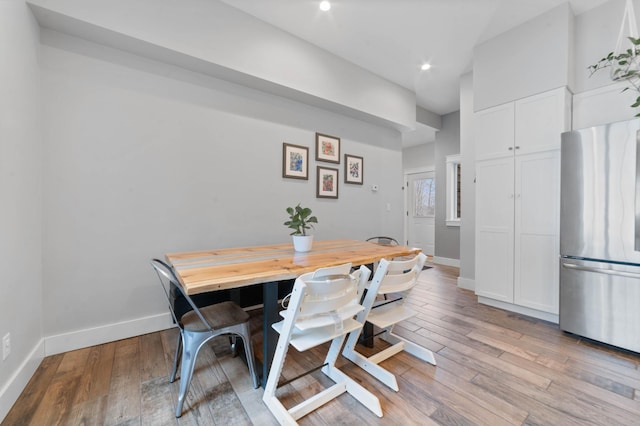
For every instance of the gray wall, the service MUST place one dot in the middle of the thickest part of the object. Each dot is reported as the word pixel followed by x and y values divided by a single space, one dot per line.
pixel 215 38
pixel 447 143
pixel 143 158
pixel 418 156
pixel 21 195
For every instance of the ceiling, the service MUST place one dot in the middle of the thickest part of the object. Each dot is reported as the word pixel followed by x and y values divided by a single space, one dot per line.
pixel 393 38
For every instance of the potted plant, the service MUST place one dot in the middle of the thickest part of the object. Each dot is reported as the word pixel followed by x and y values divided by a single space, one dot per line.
pixel 300 220
pixel 624 66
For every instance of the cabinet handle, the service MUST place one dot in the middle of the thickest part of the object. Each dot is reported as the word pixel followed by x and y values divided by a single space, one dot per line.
pixel 517 147
pixel 510 148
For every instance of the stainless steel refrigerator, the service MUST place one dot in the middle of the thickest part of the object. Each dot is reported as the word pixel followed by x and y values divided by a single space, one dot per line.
pixel 600 234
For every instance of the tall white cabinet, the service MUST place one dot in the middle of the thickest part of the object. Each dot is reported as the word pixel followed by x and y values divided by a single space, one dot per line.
pixel 518 202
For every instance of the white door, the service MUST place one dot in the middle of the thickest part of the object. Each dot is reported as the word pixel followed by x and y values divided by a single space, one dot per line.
pixel 421 211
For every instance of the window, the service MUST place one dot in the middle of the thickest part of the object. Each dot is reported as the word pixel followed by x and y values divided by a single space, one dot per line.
pixel 425 197
pixel 453 190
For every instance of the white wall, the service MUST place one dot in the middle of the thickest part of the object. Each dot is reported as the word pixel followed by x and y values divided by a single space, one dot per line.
pixel 597 100
pixel 527 60
pixel 143 158
pixel 468 175
pixel 20 192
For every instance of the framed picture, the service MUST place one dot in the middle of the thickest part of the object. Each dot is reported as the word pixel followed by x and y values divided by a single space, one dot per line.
pixel 327 185
pixel 353 169
pixel 327 148
pixel 295 161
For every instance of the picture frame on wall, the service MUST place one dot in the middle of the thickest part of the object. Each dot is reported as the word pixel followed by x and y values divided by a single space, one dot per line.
pixel 295 161
pixel 353 169
pixel 327 148
pixel 327 182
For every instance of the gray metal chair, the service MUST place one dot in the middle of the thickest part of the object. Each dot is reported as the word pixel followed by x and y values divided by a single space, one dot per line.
pixel 383 241
pixel 199 326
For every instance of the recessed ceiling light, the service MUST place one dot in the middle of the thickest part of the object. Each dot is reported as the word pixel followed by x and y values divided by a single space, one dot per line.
pixel 325 5
pixel 425 67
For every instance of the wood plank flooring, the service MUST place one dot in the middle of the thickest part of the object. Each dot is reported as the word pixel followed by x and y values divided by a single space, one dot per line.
pixel 494 368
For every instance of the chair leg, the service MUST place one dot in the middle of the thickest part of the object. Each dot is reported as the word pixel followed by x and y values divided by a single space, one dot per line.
pixel 410 347
pixel 248 350
pixel 355 389
pixel 371 366
pixel 176 358
pixel 234 348
pixel 192 344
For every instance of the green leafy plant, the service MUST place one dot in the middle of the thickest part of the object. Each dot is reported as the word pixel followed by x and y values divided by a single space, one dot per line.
pixel 300 219
pixel 624 66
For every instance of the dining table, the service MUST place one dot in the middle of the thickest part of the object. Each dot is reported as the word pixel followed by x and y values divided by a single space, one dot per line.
pixel 232 268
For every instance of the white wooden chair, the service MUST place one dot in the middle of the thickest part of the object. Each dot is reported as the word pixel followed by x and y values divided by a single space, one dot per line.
pixel 321 308
pixel 391 278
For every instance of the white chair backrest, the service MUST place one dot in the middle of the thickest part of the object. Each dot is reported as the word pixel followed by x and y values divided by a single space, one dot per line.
pixel 327 290
pixel 401 275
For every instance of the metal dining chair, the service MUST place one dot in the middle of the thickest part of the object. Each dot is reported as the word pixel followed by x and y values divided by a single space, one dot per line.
pixel 200 325
pixel 393 278
pixel 383 241
pixel 321 308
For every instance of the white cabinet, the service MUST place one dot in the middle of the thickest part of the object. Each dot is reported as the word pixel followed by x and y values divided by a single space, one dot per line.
pixel 540 120
pixel 518 202
pixel 494 228
pixel 537 231
pixel 493 130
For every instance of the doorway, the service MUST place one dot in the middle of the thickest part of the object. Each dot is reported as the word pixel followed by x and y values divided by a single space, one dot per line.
pixel 421 210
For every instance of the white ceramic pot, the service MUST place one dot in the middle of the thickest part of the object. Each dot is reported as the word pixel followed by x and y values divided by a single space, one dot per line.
pixel 302 243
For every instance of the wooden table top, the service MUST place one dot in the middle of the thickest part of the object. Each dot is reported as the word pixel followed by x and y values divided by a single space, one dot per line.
pixel 211 270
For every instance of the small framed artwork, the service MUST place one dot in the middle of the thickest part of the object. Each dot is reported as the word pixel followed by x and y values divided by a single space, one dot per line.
pixel 295 161
pixel 353 169
pixel 327 185
pixel 327 148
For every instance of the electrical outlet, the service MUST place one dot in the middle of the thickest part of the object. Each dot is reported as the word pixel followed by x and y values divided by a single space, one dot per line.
pixel 6 346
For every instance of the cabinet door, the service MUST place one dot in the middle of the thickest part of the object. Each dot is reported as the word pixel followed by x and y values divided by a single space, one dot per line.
pixel 537 246
pixel 494 132
pixel 494 229
pixel 540 120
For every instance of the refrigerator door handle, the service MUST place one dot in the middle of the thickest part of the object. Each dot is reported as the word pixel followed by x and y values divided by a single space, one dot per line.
pixel 637 239
pixel 601 271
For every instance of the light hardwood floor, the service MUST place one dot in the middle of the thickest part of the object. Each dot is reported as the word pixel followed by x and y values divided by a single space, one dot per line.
pixel 494 368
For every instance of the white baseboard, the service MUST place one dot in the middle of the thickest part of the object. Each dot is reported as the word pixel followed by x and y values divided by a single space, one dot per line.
pixel 11 391
pixel 467 283
pixel 446 261
pixel 546 316
pixel 107 333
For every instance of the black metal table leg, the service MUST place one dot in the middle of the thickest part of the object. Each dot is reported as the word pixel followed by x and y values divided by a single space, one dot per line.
pixel 366 337
pixel 270 336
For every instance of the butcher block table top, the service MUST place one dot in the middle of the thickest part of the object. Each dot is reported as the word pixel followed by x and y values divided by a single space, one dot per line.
pixel 220 269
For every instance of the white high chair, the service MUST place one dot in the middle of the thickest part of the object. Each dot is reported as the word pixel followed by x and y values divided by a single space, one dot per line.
pixel 391 277
pixel 321 308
